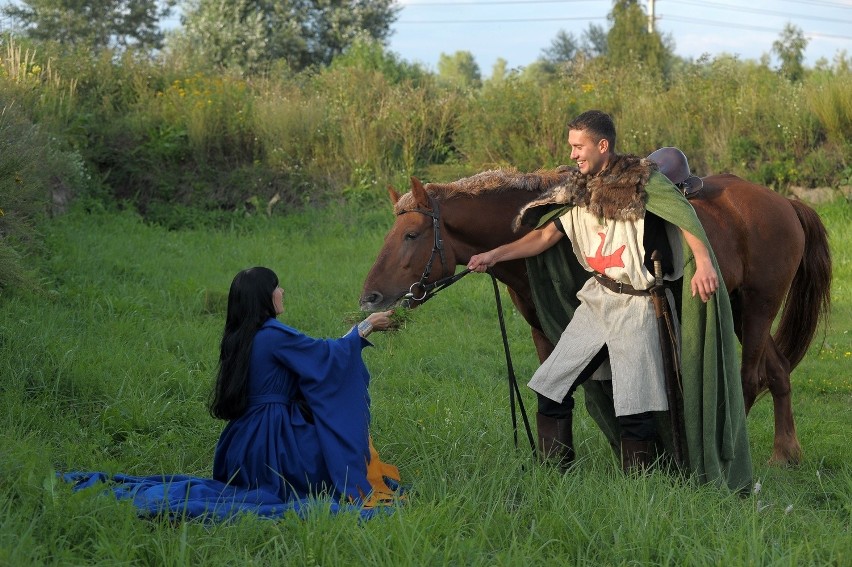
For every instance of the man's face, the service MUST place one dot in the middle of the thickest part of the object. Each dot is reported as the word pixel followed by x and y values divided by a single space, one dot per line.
pixel 591 157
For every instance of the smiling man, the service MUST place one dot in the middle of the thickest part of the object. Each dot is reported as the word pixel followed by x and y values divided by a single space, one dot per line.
pixel 616 210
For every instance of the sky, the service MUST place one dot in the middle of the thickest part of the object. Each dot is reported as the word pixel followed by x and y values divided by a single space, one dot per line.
pixel 518 31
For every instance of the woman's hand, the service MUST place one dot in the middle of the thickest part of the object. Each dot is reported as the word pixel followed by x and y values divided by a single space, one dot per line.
pixel 378 321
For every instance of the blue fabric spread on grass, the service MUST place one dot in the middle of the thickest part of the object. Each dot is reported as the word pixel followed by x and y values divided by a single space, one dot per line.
pixel 274 458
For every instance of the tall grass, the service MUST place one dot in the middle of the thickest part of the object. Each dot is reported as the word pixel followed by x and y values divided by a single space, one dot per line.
pixel 36 82
pixel 518 123
pixel 828 97
pixel 108 368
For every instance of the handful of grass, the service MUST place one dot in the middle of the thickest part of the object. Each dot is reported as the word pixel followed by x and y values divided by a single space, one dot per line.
pixel 399 318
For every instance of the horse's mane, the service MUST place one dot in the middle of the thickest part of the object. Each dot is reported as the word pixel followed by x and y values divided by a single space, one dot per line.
pixel 493 180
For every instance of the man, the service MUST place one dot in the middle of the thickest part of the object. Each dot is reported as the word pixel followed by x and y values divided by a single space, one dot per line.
pixel 612 236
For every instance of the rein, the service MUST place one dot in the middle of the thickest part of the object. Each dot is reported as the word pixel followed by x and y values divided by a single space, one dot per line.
pixel 431 289
pixel 514 390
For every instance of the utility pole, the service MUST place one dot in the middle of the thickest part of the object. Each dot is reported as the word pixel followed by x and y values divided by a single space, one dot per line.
pixel 651 16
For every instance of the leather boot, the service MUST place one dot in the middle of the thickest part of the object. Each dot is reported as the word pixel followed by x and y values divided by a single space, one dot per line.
pixel 636 456
pixel 555 440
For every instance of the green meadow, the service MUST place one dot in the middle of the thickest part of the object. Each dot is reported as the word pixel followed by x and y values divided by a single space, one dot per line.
pixel 133 187
pixel 107 362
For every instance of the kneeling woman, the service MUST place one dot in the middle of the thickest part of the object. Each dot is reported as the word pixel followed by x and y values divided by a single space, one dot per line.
pixel 298 413
pixel 298 407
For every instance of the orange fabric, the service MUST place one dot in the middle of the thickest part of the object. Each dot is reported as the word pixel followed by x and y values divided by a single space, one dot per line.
pixel 376 471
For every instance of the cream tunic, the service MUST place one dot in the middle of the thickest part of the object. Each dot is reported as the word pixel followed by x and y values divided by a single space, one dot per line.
pixel 625 323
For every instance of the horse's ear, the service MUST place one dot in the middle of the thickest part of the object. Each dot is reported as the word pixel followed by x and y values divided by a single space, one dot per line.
pixel 394 195
pixel 419 193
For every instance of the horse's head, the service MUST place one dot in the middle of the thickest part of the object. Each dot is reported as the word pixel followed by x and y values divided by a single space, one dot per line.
pixel 414 252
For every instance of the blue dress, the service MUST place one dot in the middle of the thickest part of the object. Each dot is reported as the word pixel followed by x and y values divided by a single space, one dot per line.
pixel 305 435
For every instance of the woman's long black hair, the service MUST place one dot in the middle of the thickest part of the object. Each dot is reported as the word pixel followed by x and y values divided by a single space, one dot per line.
pixel 249 307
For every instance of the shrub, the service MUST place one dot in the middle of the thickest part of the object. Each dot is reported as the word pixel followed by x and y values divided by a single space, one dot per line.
pixel 38 173
pixel 33 176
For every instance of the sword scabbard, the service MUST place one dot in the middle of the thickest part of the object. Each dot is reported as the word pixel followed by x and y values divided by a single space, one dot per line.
pixel 671 360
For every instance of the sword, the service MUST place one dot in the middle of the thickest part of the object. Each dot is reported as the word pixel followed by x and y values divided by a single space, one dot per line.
pixel 671 359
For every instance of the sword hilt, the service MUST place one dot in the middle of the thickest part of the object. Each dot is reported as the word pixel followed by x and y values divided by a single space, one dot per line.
pixel 657 258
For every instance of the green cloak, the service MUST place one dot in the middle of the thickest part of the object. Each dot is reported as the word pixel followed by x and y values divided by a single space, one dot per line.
pixel 716 440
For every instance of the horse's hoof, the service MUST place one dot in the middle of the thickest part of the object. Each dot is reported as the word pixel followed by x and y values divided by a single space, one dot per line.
pixel 782 460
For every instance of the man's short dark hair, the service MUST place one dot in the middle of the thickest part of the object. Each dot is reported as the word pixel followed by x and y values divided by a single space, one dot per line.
pixel 598 124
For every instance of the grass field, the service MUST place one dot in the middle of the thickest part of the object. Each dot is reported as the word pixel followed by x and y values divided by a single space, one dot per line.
pixel 108 364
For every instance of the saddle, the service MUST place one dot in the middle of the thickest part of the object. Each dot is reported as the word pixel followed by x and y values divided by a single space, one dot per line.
pixel 673 164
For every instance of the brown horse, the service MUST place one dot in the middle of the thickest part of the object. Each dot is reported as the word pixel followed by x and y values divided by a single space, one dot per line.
pixel 772 252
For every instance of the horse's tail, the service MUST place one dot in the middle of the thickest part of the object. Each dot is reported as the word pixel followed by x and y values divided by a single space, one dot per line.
pixel 809 298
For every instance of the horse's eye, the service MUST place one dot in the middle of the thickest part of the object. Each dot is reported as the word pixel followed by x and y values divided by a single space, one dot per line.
pixel 410 235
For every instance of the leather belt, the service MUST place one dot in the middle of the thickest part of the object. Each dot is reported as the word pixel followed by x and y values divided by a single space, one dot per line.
pixel 619 287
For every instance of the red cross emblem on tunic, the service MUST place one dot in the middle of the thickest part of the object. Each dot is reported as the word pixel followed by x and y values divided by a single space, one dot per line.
pixel 599 262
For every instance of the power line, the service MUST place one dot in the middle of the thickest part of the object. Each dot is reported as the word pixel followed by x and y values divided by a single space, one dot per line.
pixel 823 3
pixel 703 22
pixel 842 5
pixel 494 2
pixel 762 12
pixel 510 21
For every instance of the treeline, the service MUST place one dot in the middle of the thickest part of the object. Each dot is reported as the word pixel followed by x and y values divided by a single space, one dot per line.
pixel 169 137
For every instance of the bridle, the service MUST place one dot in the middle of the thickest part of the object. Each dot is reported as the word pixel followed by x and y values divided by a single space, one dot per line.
pixel 430 289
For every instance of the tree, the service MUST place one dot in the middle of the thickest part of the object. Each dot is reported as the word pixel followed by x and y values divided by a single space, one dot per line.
pixel 541 71
pixel 229 33
pixel 562 48
pixel 594 42
pixel 499 71
pixel 564 51
pixel 369 54
pixel 97 24
pixel 790 49
pixel 304 33
pixel 629 41
pixel 459 69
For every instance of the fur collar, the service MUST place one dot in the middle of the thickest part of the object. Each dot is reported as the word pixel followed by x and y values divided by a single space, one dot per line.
pixel 617 193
